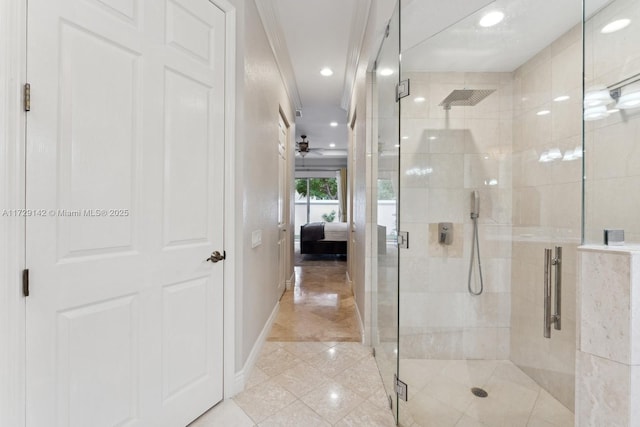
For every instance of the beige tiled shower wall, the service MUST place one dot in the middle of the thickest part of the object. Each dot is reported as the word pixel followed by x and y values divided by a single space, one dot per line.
pixel 546 208
pixel 445 155
pixel 613 144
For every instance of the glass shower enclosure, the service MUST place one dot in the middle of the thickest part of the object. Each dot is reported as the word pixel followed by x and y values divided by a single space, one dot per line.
pixel 480 133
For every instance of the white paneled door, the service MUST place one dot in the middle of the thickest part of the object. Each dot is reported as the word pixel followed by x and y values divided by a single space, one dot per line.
pixel 125 173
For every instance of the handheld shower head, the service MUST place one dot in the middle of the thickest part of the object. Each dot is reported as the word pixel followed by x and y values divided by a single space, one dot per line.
pixel 475 204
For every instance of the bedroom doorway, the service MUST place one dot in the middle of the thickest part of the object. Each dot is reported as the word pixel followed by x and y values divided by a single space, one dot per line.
pixel 317 200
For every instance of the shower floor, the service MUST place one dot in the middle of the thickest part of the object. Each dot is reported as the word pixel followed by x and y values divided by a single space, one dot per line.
pixel 440 395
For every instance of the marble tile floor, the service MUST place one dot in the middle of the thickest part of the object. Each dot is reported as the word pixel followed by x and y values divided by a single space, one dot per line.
pixel 309 374
pixel 439 395
pixel 307 384
pixel 320 307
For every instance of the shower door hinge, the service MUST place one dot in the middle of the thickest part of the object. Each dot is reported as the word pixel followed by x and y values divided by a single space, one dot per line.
pixel 26 97
pixel 403 240
pixel 386 31
pixel 401 388
pixel 402 89
pixel 373 352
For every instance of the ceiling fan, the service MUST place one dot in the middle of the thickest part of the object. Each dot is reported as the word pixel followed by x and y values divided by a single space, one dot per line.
pixel 304 149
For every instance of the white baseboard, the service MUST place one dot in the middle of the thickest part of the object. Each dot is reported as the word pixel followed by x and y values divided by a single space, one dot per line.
pixel 243 375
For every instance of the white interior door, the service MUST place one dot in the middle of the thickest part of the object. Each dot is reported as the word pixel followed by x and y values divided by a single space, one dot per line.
pixel 282 201
pixel 125 148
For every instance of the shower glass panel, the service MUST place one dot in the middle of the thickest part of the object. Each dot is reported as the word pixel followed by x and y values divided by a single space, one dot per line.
pixel 612 120
pixel 490 176
pixel 385 165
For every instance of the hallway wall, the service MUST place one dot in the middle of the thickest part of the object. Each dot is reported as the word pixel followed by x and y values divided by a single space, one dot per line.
pixel 361 108
pixel 260 94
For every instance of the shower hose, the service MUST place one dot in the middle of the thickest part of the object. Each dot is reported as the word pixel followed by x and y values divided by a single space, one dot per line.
pixel 475 247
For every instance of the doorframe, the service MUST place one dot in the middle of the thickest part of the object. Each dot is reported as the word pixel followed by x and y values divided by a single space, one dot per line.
pixel 230 386
pixel 13 72
pixel 13 55
pixel 286 204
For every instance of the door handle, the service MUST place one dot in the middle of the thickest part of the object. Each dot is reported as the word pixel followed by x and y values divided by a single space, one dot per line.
pixel 552 262
pixel 217 256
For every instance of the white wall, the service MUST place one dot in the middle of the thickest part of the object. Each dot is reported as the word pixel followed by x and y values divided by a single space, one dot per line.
pixel 360 110
pixel 260 95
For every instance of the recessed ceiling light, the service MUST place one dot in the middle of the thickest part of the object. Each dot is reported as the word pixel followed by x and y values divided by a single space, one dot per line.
pixel 386 72
pixel 491 18
pixel 397 145
pixel 562 98
pixel 332 145
pixel 419 99
pixel 432 138
pixel 614 26
pixel 613 110
pixel 326 71
pixel 333 124
pixel 405 137
pixel 543 112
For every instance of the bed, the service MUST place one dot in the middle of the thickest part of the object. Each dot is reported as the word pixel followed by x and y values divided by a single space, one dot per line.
pixel 324 238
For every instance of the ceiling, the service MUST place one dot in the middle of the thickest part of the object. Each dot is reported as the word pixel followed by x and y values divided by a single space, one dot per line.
pixel 308 35
pixel 528 27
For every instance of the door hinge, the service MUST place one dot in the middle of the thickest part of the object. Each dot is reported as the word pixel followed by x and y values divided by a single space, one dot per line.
pixel 25 282
pixel 390 401
pixel 26 95
pixel 403 89
pixel 403 240
pixel 373 352
pixel 401 388
pixel 387 30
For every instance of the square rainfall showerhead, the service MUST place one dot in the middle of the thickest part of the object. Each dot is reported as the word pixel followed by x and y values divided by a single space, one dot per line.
pixel 465 97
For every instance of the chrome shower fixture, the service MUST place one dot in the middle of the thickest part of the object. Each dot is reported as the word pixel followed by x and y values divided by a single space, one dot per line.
pixel 465 97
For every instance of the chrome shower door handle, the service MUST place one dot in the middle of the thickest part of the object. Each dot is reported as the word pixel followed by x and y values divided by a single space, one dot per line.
pixel 551 262
pixel 557 263
pixel 547 293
